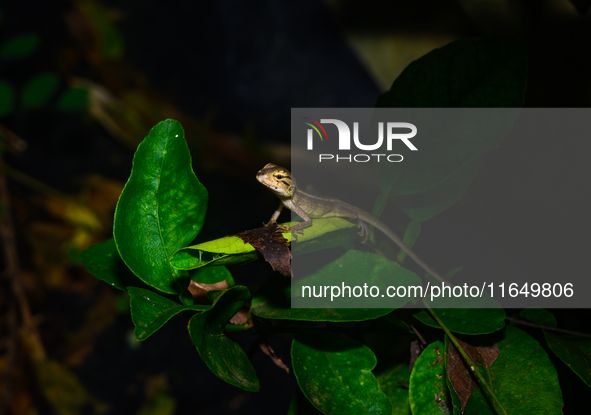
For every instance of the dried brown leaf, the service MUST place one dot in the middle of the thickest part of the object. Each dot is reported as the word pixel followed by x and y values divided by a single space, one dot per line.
pixel 272 245
pixel 459 373
pixel 268 350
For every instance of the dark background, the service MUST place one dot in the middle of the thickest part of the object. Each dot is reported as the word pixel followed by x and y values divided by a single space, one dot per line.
pixel 230 72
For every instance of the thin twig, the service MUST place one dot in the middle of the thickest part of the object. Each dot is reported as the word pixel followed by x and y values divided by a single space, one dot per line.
pixel 540 326
pixel 419 335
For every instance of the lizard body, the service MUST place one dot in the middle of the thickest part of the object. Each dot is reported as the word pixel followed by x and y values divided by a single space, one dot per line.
pixel 308 207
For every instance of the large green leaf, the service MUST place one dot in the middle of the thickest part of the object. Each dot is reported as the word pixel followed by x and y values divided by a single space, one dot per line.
pixel 466 320
pixel 223 356
pixel 161 208
pixel 569 351
pixel 523 379
pixel 572 356
pixel 428 392
pixel 468 73
pixel 485 72
pixel 392 383
pixel 149 311
pixel 334 373
pixel 103 261
pixel 273 301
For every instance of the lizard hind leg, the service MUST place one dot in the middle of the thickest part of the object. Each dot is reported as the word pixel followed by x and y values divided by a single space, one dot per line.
pixel 353 216
pixel 363 230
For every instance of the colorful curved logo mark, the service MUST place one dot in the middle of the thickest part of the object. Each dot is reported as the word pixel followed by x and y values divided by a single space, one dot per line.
pixel 314 127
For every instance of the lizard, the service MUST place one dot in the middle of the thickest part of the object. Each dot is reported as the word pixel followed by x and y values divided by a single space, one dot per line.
pixel 279 181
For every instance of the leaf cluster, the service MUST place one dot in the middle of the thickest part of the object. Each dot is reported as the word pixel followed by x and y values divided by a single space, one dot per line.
pixel 162 210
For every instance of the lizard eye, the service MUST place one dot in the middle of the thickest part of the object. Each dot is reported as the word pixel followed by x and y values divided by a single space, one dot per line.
pixel 279 177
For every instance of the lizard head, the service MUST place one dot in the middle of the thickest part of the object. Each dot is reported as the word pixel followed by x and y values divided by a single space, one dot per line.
pixel 277 179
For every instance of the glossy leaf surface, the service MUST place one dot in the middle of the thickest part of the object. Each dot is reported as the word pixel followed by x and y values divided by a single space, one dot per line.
pixel 523 379
pixel 427 382
pixel 487 72
pixel 103 261
pixel 149 311
pixel 334 373
pixel 222 355
pixel 161 208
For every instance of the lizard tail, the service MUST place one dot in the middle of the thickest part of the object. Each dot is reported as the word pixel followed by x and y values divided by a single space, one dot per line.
pixel 372 220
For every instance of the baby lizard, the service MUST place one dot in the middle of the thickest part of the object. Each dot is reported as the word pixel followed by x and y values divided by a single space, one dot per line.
pixel 308 207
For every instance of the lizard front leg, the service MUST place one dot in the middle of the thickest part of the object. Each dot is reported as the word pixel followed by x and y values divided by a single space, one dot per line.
pixel 276 214
pixel 298 228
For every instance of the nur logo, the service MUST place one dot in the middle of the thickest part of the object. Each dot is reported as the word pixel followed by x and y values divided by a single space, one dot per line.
pixel 310 132
pixel 393 131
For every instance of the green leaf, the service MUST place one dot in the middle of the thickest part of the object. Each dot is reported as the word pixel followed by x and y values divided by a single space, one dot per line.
pixel 231 250
pixel 74 99
pixel 273 301
pixel 428 392
pixel 523 378
pixel 161 208
pixel 485 72
pixel 150 310
pixel 571 355
pixel 103 261
pixel 468 73
pixel 583 344
pixel 466 320
pixel 19 46
pixel 38 90
pixel 334 373
pixel 392 384
pixel 6 98
pixel 568 351
pixel 213 275
pixel 222 355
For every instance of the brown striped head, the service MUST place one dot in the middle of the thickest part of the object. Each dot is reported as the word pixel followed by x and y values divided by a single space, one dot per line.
pixel 277 179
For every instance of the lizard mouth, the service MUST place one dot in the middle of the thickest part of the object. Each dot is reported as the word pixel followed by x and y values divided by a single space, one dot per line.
pixel 266 181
